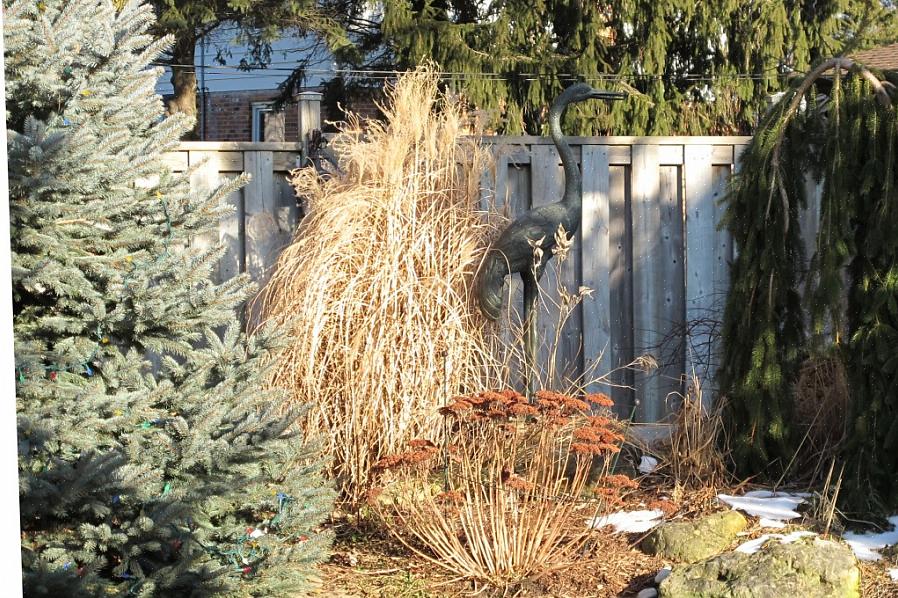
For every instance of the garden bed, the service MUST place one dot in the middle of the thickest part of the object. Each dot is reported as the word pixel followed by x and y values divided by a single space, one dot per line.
pixel 367 561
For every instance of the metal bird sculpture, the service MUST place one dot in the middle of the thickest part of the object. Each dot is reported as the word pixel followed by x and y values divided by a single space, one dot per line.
pixel 513 251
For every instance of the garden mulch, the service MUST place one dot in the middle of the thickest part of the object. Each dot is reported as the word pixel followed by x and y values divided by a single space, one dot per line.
pixel 368 562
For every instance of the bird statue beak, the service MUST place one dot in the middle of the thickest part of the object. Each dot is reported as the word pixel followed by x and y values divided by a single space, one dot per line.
pixel 599 94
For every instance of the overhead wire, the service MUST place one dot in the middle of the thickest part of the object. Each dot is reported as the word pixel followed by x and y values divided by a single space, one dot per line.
pixel 264 72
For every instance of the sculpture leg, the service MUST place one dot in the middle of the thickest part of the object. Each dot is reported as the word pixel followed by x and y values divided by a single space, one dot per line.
pixel 531 291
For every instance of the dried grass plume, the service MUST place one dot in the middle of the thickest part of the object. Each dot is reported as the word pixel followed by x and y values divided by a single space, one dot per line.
pixel 375 283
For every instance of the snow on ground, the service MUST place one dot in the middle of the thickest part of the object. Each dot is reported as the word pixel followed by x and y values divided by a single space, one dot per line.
pixel 893 573
pixel 753 546
pixel 647 464
pixel 867 546
pixel 774 508
pixel 628 521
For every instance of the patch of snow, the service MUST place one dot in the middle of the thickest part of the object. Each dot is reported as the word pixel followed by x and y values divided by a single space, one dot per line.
pixel 628 521
pixel 866 547
pixel 753 546
pixel 662 574
pixel 647 464
pixel 647 593
pixel 774 508
pixel 893 573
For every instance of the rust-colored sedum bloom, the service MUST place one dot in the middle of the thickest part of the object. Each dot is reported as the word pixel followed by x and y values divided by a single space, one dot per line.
pixel 619 481
pixel 599 399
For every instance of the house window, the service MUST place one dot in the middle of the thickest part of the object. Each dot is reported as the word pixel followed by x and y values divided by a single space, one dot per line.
pixel 268 124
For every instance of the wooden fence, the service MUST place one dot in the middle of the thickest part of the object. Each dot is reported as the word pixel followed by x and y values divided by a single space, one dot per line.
pixel 265 210
pixel 649 246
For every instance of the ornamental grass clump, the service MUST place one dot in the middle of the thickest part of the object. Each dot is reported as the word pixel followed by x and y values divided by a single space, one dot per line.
pixel 375 284
pixel 513 477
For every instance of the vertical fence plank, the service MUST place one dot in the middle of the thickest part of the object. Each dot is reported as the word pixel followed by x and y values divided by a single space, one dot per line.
pixel 701 261
pixel 547 187
pixel 570 337
pixel 596 263
pixel 494 182
pixel 621 288
pixel 287 208
pixel 260 227
pixel 809 219
pixel 647 292
pixel 737 166
pixel 516 201
pixel 204 180
pixel 500 190
pixel 671 320
pixel 259 206
pixel 230 234
pixel 723 259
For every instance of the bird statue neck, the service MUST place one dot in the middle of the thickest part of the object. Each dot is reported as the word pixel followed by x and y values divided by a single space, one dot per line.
pixel 573 181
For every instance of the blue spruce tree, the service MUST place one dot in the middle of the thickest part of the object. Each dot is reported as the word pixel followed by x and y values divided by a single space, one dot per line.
pixel 151 460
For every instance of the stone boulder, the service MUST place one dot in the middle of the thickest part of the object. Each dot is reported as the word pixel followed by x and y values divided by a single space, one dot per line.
pixel 691 541
pixel 809 568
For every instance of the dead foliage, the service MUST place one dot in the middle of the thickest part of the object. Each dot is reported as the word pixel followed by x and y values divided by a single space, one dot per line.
pixel 503 519
pixel 693 456
pixel 820 414
pixel 375 283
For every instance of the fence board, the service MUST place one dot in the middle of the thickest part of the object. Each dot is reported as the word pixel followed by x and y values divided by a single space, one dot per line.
pixel 596 263
pixel 259 208
pixel 671 321
pixel 547 187
pixel 230 234
pixel 647 290
pixel 518 202
pixel 570 343
pixel 288 213
pixel 701 257
pixel 723 259
pixel 285 161
pixel 204 179
pixel 621 281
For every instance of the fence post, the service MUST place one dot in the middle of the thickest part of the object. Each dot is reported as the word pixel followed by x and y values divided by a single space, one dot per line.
pixel 309 118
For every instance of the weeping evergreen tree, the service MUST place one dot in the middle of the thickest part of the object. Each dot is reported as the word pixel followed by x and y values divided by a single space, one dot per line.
pixel 182 478
pixel 838 125
pixel 694 67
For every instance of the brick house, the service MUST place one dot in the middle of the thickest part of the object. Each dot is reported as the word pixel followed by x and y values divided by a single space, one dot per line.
pixel 249 115
pixel 237 105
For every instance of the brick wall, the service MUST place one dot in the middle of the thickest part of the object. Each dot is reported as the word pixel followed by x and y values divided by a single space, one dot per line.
pixel 229 114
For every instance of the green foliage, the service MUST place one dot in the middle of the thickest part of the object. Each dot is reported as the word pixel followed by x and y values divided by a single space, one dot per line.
pixel 694 67
pixel 147 446
pixel 763 322
pixel 847 143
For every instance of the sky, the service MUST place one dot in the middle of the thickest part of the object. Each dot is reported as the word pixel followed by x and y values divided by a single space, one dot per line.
pixel 285 54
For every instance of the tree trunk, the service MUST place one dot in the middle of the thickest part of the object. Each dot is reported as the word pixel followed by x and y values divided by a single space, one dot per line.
pixel 183 79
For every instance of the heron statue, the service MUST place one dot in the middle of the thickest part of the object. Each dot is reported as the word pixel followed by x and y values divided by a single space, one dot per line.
pixel 514 250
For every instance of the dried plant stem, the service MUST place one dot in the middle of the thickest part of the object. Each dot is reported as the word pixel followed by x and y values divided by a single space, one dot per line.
pixel 375 284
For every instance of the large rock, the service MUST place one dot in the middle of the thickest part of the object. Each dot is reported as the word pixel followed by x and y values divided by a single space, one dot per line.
pixel 808 568
pixel 692 541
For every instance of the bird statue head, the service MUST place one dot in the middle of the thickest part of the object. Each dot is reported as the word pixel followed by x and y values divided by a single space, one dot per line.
pixel 579 92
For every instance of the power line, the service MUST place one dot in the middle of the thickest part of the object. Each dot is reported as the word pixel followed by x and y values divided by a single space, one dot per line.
pixel 461 76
